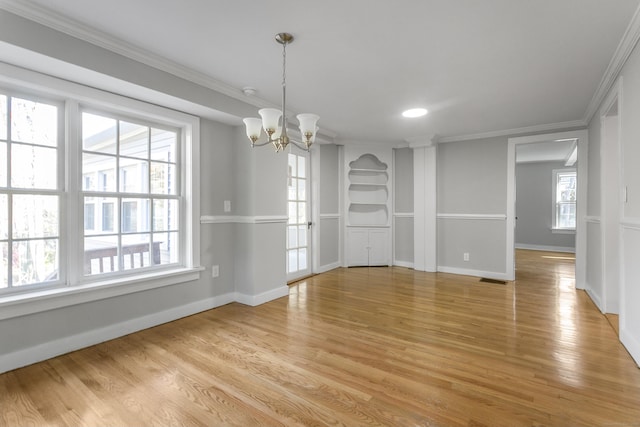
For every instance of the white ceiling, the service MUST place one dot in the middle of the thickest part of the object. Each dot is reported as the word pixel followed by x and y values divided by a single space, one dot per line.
pixel 478 66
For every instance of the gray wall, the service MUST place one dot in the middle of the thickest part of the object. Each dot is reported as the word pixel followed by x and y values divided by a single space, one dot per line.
pixel 471 182
pixel 534 207
pixel 250 256
pixel 329 233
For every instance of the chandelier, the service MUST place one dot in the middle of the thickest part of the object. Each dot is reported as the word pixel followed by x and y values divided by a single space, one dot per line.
pixel 274 121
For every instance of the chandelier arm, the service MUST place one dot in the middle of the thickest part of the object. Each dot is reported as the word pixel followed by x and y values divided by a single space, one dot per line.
pixel 261 144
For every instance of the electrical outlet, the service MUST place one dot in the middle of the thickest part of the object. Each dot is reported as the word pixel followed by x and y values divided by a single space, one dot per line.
pixel 465 256
pixel 215 271
pixel 227 205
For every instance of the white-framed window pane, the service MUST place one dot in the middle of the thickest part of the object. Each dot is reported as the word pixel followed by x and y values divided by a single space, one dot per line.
pixel 566 215
pixel 134 176
pixel 302 235
pixel 99 133
pixel 293 188
pixel 163 145
pixel 34 122
pixel 4 265
pixel 3 164
pixel 34 261
pixel 108 217
pixel 100 255
pixel 302 258
pixel 99 172
pixel 3 117
pixel 292 261
pixel 135 251
pixel 34 167
pixel 4 217
pixel 302 189
pixel 134 140
pixel 302 213
pixel 89 216
pixel 135 215
pixel 301 167
pixel 166 248
pixel 165 215
pixel 35 216
pixel 163 178
pixel 292 237
pixel 293 212
pixel 292 165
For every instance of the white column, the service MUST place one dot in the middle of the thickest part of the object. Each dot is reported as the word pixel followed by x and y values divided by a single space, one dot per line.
pixel 424 205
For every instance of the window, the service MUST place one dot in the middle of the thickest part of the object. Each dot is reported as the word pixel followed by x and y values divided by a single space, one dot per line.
pixel 564 199
pixel 134 149
pixel 30 192
pixel 97 194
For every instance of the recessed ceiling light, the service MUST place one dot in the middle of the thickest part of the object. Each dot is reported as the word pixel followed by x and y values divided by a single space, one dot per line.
pixel 415 112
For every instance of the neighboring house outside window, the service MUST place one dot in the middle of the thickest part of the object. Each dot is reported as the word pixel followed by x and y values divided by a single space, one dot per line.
pixel 564 199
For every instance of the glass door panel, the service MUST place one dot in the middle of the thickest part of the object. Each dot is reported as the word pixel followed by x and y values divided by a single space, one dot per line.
pixel 298 226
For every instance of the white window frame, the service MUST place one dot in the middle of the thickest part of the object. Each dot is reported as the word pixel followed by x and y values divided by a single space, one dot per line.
pixel 76 289
pixel 554 192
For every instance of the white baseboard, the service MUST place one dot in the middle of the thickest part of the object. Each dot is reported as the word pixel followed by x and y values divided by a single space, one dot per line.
pixel 328 267
pixel 595 298
pixel 631 343
pixel 406 264
pixel 64 345
pixel 476 273
pixel 546 248
pixel 267 296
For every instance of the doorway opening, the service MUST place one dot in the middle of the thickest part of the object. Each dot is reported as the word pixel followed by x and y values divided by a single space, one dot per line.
pixel 544 208
pixel 546 200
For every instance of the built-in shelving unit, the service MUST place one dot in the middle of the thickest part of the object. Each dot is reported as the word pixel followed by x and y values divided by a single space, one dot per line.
pixel 368 192
pixel 367 197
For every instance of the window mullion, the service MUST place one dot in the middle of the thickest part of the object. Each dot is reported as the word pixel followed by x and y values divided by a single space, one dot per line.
pixel 73 242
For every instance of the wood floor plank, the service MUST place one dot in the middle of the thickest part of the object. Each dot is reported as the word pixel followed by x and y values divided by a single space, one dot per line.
pixel 355 347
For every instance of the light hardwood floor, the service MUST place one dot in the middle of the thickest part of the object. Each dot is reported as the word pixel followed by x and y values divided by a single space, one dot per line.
pixel 355 347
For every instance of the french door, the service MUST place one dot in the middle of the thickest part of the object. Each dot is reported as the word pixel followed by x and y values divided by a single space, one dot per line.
pixel 298 224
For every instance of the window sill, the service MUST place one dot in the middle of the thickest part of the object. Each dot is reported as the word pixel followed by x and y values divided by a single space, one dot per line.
pixel 563 231
pixel 50 299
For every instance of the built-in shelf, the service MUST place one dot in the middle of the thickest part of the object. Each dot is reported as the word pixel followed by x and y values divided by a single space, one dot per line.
pixel 368 193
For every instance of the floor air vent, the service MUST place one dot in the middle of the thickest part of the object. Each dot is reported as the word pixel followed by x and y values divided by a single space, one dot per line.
pixel 497 282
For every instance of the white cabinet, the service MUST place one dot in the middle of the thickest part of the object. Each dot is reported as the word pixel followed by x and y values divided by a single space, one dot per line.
pixel 367 206
pixel 367 246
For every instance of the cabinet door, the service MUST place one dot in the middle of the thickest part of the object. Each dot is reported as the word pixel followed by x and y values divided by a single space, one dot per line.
pixel 358 247
pixel 378 247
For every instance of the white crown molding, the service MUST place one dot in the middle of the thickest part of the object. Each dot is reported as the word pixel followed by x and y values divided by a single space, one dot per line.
pixel 624 49
pixel 58 22
pixel 422 141
pixel 516 131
